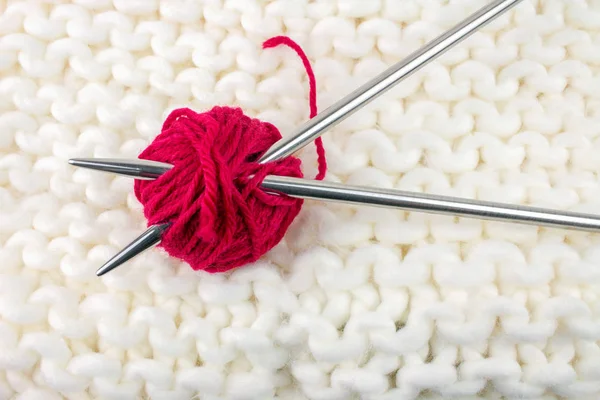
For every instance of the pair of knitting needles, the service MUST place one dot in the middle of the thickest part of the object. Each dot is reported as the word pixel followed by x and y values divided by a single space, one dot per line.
pixel 318 190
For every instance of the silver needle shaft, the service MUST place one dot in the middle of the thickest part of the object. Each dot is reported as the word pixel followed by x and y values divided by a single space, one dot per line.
pixel 389 198
pixel 445 205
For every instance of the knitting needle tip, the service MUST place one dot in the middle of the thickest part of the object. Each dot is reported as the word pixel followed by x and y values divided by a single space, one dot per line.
pixel 146 240
pixel 137 168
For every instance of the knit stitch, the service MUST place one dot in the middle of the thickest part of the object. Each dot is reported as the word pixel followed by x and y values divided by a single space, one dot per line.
pixel 354 302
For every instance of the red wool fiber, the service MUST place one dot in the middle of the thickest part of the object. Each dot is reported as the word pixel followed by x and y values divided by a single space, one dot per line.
pixel 220 217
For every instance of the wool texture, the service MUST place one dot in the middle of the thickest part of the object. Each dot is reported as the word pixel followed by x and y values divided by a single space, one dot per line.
pixel 220 217
pixel 355 302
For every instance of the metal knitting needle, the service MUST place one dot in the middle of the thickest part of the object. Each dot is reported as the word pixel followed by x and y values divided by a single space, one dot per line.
pixel 351 103
pixel 388 198
pixel 146 240
pixel 345 107
pixel 138 169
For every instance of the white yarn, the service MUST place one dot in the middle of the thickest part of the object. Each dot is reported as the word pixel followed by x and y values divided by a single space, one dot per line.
pixel 356 302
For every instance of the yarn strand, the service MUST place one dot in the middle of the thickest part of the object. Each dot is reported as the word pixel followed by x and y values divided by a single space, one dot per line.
pixel 312 94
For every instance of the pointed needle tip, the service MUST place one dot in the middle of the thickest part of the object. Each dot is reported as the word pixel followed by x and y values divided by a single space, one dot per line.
pixel 146 240
pixel 124 256
pixel 102 270
pixel 132 168
pixel 79 162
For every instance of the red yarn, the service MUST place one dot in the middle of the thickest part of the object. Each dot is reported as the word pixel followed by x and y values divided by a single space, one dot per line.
pixel 220 217
pixel 312 94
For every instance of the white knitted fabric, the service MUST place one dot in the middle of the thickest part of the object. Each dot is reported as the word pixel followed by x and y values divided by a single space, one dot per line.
pixel 356 302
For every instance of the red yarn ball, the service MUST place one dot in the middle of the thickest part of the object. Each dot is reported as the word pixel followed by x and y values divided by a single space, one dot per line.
pixel 220 217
